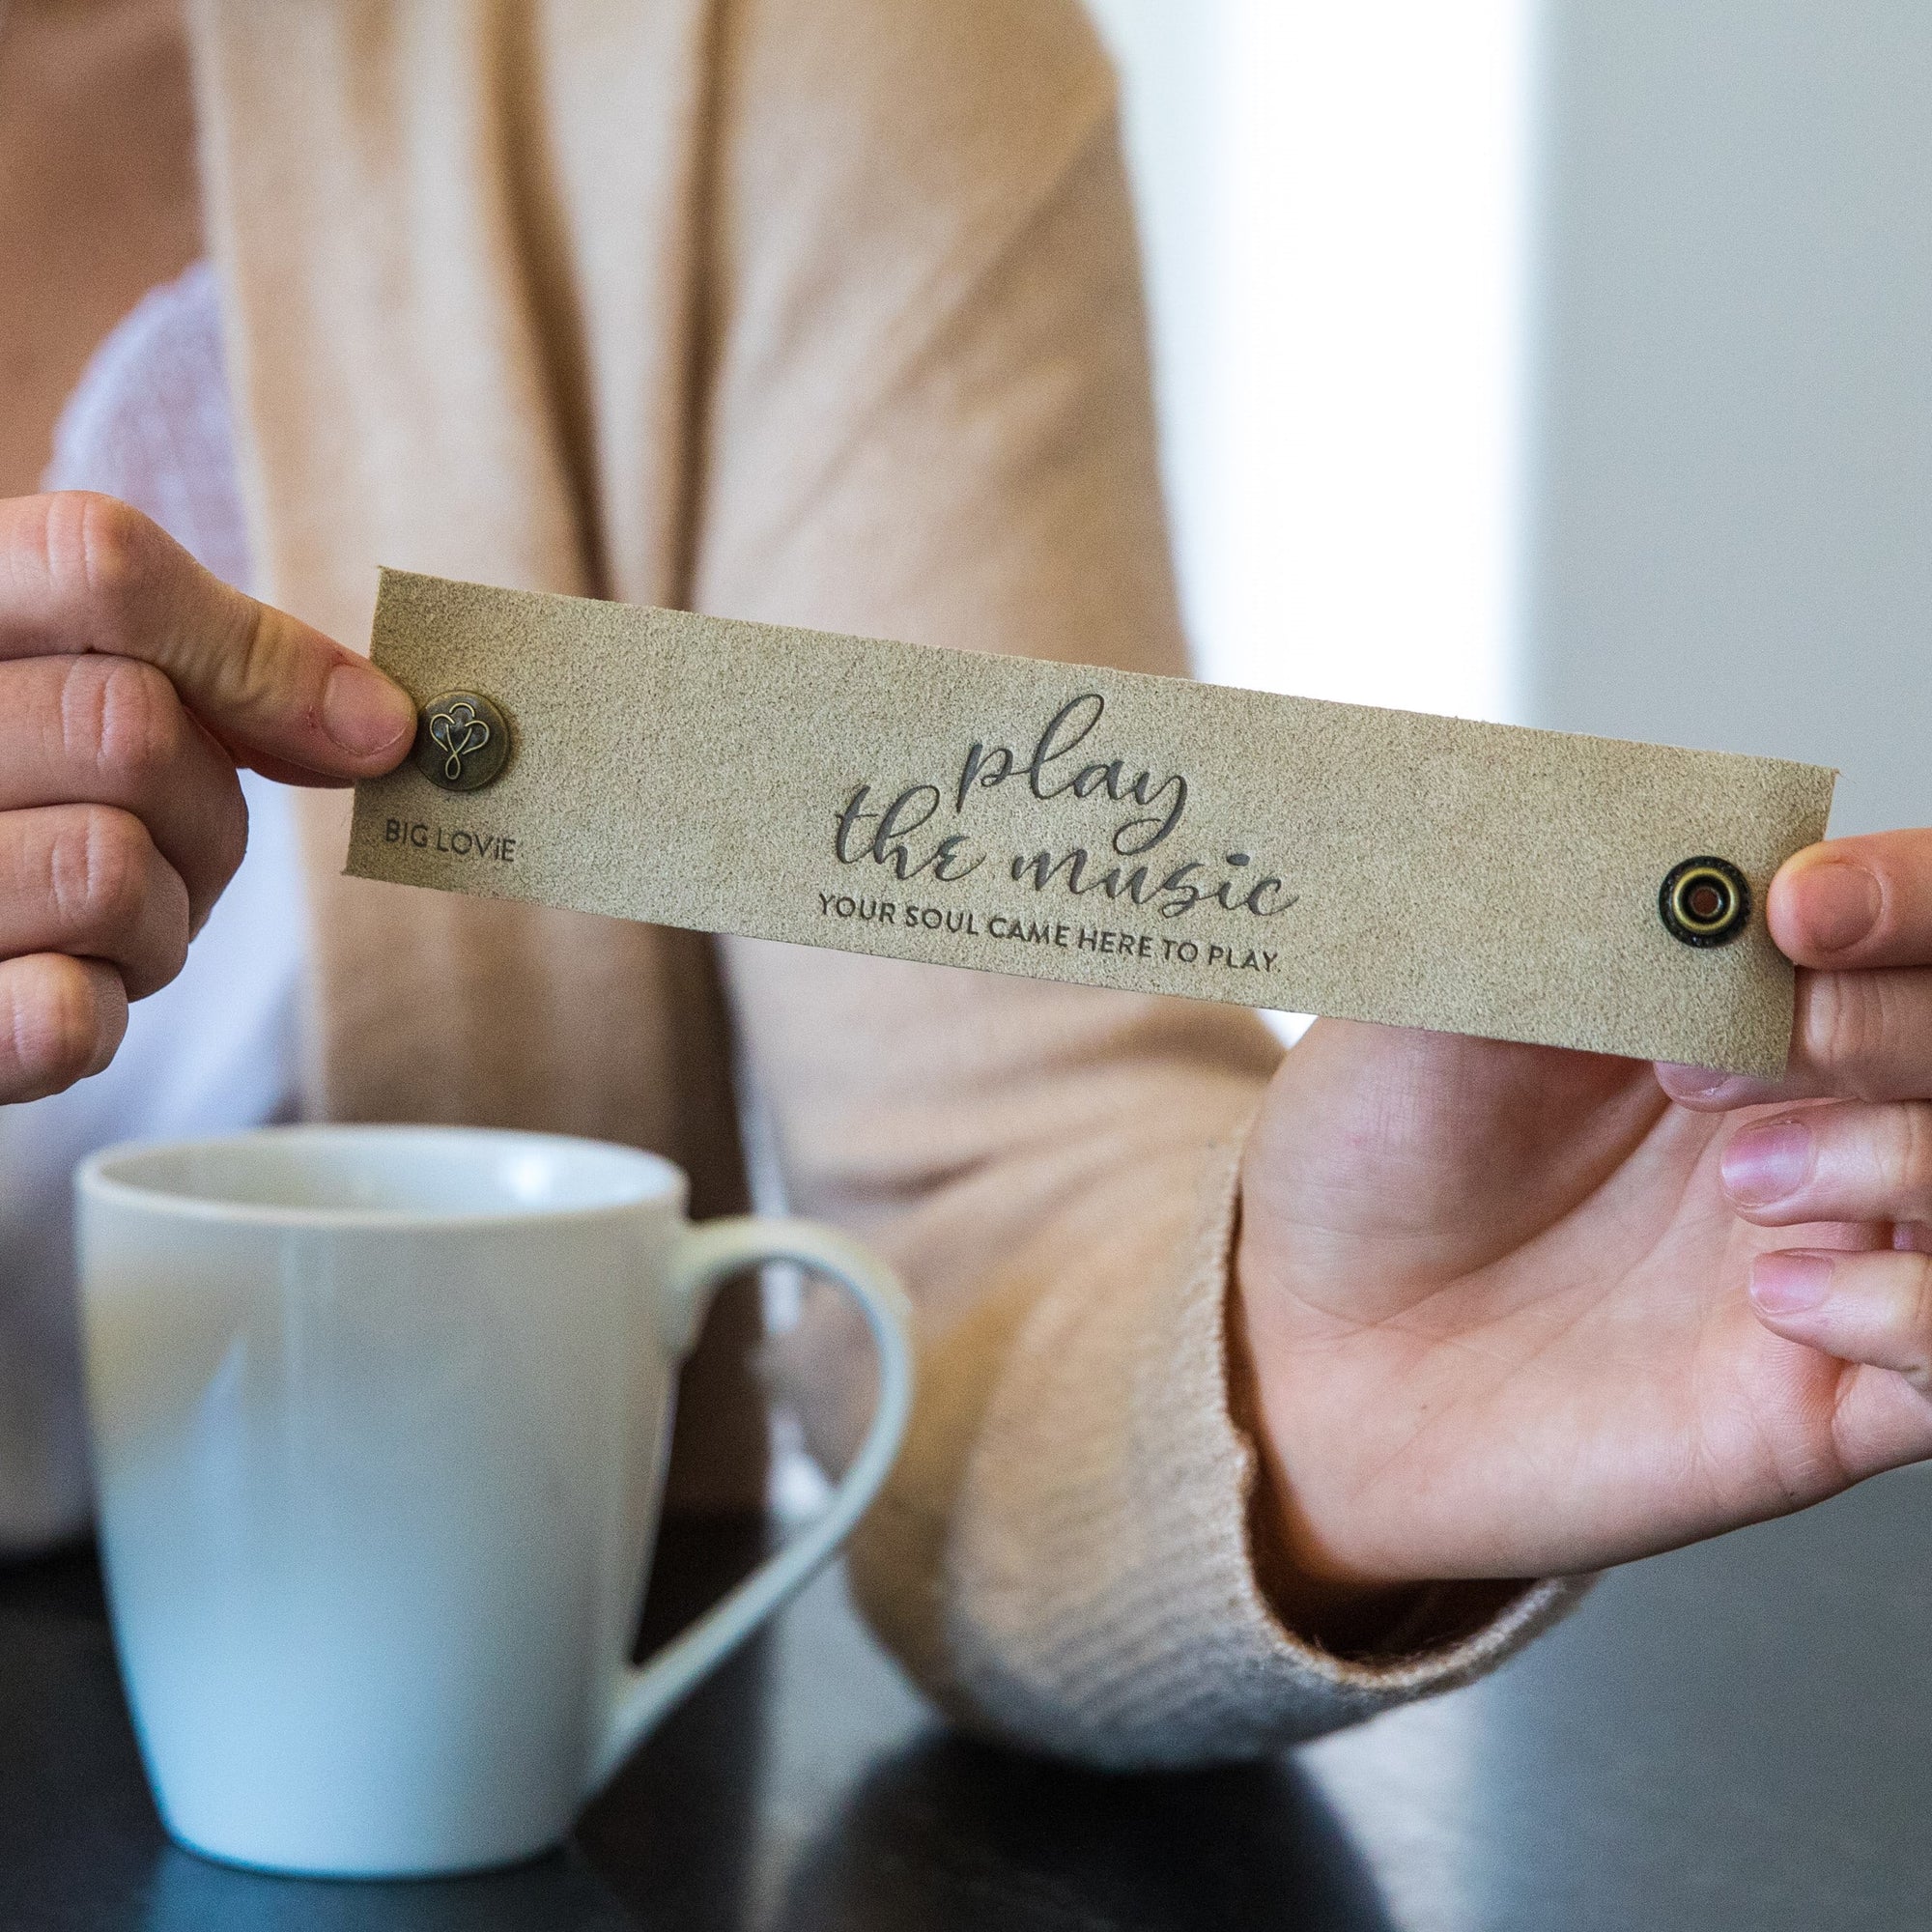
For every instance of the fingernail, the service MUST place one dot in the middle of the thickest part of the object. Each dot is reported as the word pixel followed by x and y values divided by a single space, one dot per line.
pixel 1841 904
pixel 1764 1164
pixel 363 712
pixel 1692 1082
pixel 1788 1284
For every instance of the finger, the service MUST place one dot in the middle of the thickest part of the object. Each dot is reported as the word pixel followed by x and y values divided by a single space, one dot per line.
pixel 1855 902
pixel 86 880
pixel 61 1019
pixel 97 731
pixel 1845 1163
pixel 1858 912
pixel 1873 1307
pixel 84 572
pixel 1855 1036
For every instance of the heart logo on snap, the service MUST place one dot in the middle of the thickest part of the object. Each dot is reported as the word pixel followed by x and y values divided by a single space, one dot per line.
pixel 463 741
pixel 459 731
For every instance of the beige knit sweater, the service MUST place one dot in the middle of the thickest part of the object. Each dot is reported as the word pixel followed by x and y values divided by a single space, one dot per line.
pixel 822 312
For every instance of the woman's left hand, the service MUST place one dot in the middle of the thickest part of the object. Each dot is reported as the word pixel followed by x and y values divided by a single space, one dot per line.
pixel 1512 1311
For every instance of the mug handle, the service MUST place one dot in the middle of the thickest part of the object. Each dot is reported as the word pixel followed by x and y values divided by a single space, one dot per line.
pixel 704 1259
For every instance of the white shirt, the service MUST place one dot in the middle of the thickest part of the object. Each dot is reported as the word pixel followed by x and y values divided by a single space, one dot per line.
pixel 217 1049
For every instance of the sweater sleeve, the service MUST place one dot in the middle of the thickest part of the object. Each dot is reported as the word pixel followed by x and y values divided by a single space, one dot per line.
pixel 928 416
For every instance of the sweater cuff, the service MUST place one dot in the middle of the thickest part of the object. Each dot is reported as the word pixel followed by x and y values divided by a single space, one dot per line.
pixel 1138 1634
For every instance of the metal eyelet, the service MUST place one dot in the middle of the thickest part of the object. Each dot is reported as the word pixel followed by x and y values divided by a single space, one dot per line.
pixel 1704 901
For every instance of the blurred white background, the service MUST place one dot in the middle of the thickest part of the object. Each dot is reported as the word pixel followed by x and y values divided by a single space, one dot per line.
pixel 1332 209
pixel 1562 362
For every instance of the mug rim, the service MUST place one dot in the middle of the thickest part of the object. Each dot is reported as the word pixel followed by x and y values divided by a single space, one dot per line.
pixel 96 1178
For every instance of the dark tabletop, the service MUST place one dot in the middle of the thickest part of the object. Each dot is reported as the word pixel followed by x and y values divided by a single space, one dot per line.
pixel 1738 1735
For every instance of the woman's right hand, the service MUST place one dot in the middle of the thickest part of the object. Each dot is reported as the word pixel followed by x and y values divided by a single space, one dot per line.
pixel 133 684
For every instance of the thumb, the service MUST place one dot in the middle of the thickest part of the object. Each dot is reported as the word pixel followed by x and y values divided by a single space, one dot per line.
pixel 85 573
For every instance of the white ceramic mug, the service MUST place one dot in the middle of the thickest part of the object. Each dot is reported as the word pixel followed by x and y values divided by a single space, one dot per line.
pixel 380 1423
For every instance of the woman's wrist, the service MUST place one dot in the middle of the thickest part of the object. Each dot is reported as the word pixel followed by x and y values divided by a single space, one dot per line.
pixel 1328 1610
pixel 1315 1596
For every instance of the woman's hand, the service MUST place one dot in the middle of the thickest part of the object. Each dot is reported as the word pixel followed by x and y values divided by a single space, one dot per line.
pixel 1511 1311
pixel 131 685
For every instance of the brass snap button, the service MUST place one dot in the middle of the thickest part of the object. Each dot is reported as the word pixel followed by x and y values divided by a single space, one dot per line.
pixel 1704 901
pixel 463 741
